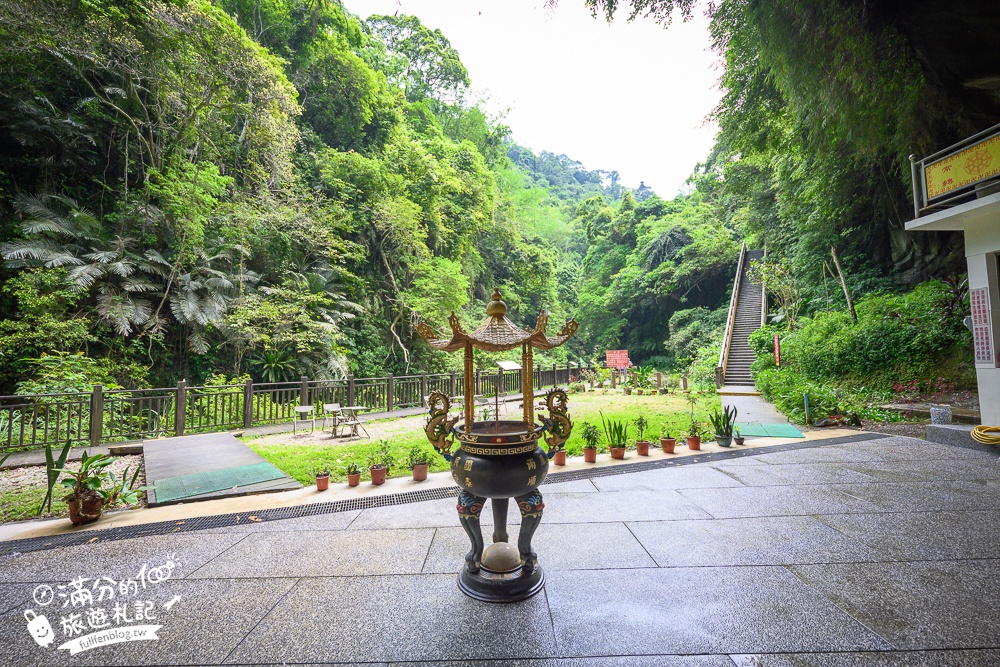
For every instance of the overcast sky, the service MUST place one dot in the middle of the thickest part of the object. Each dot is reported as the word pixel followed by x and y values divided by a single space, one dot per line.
pixel 627 97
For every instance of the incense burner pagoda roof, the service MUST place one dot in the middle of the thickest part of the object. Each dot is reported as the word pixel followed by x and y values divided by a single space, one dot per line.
pixel 497 333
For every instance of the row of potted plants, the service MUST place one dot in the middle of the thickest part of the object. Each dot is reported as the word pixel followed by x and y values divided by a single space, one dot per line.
pixel 380 461
pixel 616 433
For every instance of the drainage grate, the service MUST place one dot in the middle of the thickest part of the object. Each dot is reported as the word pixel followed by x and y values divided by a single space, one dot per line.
pixel 387 500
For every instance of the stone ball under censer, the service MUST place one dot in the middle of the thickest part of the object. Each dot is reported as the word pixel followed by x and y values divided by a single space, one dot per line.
pixel 501 557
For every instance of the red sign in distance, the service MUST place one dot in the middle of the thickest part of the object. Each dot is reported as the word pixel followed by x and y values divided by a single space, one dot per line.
pixel 617 359
pixel 777 351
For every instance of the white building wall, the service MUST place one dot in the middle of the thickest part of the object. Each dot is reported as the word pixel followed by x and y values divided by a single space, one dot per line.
pixel 982 243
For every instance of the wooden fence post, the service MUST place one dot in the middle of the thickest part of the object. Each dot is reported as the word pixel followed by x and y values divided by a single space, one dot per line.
pixel 96 415
pixel 478 386
pixel 388 393
pixel 453 388
pixel 614 375
pixel 423 389
pixel 180 408
pixel 303 390
pixel 350 389
pixel 248 403
pixel 659 380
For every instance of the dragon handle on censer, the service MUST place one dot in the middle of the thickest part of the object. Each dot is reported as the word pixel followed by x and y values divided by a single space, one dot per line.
pixel 500 459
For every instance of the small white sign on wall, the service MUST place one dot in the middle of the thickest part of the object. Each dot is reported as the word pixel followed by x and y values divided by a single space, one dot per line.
pixel 981 334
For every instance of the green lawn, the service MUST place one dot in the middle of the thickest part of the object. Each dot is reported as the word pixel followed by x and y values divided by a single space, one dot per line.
pixel 22 503
pixel 670 412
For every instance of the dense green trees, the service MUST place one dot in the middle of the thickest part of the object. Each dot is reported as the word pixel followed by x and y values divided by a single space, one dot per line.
pixel 280 188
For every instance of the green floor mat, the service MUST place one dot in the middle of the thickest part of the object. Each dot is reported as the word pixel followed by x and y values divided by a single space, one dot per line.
pixel 185 486
pixel 770 430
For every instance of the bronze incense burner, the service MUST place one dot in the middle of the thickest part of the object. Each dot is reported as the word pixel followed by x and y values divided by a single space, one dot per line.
pixel 499 459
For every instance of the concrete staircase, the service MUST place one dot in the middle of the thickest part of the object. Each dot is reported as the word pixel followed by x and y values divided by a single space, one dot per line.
pixel 747 321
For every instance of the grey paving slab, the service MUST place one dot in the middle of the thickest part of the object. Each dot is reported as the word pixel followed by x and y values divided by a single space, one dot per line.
pixel 322 554
pixel 14 596
pixel 618 661
pixel 984 658
pixel 909 449
pixel 741 458
pixel 427 514
pixel 575 486
pixel 820 473
pixel 823 454
pixel 396 618
pixel 207 622
pixel 697 610
pixel 118 558
pixel 613 506
pixel 752 475
pixel 775 501
pixel 684 477
pixel 559 547
pixel 753 541
pixel 904 471
pixel 917 605
pixel 923 535
pixel 330 521
pixel 926 496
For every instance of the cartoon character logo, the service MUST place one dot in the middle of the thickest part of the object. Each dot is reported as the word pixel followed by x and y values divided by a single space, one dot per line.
pixel 39 628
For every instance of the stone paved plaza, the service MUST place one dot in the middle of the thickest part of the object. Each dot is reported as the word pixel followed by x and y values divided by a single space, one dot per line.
pixel 877 552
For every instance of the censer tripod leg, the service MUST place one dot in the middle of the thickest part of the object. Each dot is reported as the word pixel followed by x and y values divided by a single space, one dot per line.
pixel 500 519
pixel 531 507
pixel 469 509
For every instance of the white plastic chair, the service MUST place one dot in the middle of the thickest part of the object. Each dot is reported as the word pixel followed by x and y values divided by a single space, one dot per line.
pixel 333 414
pixel 300 416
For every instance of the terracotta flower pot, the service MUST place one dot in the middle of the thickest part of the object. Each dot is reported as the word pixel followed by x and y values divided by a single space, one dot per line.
pixel 590 455
pixel 739 440
pixel 668 445
pixel 694 442
pixel 378 474
pixel 642 447
pixel 617 452
pixel 354 480
pixel 322 482
pixel 559 458
pixel 86 509
pixel 419 472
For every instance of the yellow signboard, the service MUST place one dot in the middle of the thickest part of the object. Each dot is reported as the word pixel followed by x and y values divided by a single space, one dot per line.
pixel 963 168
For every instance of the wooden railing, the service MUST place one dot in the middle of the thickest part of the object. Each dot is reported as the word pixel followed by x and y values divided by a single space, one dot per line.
pixel 101 416
pixel 727 337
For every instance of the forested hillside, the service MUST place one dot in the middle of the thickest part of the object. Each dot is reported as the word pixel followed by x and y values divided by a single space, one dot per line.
pixel 191 188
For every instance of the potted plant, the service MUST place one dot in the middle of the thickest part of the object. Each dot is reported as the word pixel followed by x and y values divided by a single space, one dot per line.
pixel 559 457
pixel 616 431
pixel 85 500
pixel 591 436
pixel 353 471
pixel 723 421
pixel 379 462
pixel 666 442
pixel 417 461
pixel 737 438
pixel 694 437
pixel 323 478
pixel 641 444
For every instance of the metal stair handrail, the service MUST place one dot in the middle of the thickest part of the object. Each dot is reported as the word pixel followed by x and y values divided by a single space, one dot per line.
pixel 720 370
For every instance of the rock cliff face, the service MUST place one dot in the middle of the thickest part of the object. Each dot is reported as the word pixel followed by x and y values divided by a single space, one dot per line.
pixel 957 44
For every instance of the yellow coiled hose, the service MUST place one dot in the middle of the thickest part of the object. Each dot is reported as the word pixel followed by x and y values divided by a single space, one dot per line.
pixel 987 435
